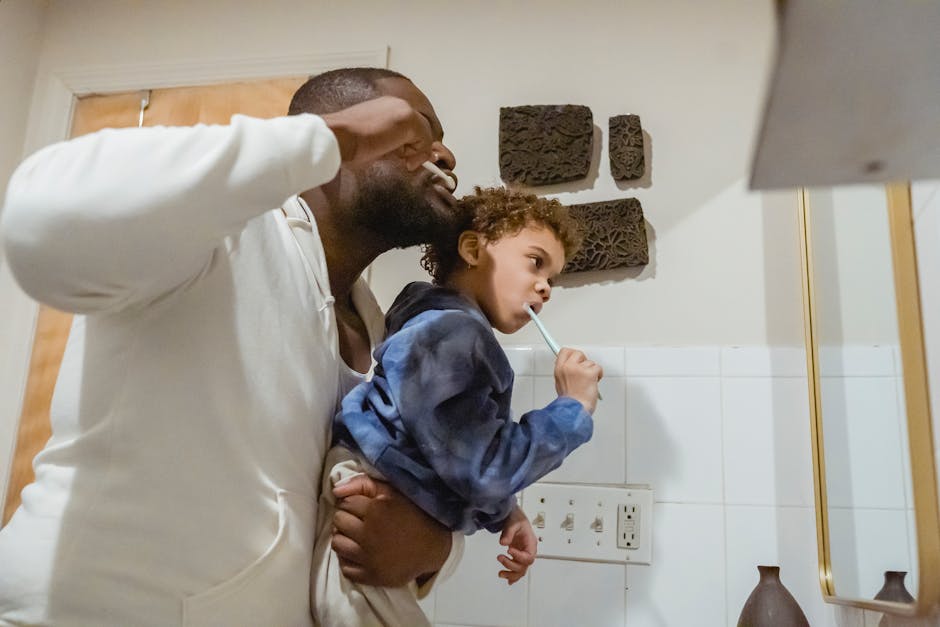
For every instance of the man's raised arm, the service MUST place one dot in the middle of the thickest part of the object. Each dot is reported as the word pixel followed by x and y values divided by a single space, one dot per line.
pixel 120 217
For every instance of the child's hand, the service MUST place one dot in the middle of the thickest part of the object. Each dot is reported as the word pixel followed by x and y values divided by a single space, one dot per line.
pixel 577 376
pixel 519 536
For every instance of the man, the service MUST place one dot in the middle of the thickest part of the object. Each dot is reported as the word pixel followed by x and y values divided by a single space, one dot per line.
pixel 192 410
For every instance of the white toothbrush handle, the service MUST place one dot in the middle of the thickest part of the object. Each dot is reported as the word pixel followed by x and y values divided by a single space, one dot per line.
pixel 436 171
pixel 552 344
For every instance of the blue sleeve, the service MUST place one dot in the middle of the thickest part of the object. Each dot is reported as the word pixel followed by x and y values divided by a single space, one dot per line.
pixel 452 383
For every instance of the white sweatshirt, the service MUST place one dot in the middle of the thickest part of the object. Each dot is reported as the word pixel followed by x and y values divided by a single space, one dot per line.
pixel 192 410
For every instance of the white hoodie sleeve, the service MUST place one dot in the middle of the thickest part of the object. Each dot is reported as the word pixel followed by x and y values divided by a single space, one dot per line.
pixel 120 217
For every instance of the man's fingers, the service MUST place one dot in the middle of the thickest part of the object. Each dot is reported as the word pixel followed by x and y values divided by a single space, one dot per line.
pixel 362 485
pixel 355 505
pixel 348 525
pixel 418 149
pixel 353 572
pixel 346 549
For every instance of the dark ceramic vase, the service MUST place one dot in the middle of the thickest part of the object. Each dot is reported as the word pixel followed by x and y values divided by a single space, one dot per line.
pixel 893 589
pixel 771 604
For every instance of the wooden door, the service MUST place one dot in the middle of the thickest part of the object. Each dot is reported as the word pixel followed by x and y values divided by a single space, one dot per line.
pixel 179 106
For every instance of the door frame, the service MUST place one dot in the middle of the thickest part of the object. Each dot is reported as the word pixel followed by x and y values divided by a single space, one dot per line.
pixel 50 121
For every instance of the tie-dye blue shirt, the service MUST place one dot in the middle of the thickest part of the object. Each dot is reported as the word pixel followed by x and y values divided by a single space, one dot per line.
pixel 435 418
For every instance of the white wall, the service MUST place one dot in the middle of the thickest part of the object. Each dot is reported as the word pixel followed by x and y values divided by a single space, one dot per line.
pixel 21 23
pixel 725 266
pixel 853 272
pixel 20 43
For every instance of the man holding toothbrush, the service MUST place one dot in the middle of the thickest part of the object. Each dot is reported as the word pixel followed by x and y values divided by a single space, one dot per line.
pixel 222 315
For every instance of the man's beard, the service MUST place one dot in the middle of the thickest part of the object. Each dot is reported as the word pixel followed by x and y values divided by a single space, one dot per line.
pixel 396 210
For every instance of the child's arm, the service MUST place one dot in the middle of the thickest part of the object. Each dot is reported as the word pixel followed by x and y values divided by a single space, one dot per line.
pixel 519 536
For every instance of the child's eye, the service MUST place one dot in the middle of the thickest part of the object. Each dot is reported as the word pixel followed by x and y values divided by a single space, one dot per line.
pixel 537 261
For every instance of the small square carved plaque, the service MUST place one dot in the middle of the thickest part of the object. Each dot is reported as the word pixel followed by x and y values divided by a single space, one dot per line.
pixel 544 144
pixel 614 235
pixel 626 148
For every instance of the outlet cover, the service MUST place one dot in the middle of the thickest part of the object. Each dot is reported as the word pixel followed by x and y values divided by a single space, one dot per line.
pixel 591 523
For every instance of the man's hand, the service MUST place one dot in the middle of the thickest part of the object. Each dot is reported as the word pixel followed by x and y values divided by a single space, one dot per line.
pixel 374 128
pixel 382 538
pixel 519 536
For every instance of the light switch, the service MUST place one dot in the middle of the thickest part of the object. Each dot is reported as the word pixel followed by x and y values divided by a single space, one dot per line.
pixel 595 523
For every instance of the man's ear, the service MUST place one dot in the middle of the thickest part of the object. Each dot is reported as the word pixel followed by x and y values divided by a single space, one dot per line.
pixel 469 246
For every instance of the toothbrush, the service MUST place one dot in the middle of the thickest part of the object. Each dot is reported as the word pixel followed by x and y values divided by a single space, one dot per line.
pixel 439 173
pixel 552 344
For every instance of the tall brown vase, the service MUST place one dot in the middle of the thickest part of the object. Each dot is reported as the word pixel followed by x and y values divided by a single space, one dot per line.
pixel 893 588
pixel 771 604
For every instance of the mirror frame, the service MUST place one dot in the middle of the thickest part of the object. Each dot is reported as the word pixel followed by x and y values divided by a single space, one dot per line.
pixel 916 395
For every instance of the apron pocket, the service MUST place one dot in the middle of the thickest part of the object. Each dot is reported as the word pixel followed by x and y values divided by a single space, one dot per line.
pixel 274 589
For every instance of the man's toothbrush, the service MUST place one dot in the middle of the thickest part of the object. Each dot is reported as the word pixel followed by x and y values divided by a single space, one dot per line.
pixel 552 344
pixel 439 173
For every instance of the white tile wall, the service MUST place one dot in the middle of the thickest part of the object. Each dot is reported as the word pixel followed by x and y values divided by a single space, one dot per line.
pixel 674 438
pixel 864 543
pixel 475 595
pixel 686 584
pixel 864 465
pixel 721 434
pixel 767 452
pixel 565 593
pixel 522 396
pixel 856 361
pixel 758 361
pixel 668 361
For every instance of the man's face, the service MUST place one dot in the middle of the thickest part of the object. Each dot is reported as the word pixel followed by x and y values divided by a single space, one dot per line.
pixel 405 207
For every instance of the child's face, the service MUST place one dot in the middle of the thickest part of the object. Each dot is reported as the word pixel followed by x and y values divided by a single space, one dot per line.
pixel 515 270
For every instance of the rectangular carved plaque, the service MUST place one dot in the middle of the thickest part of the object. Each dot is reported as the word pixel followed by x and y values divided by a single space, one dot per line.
pixel 614 234
pixel 545 144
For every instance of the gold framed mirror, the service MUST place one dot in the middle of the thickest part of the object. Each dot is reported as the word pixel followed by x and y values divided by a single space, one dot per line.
pixel 874 463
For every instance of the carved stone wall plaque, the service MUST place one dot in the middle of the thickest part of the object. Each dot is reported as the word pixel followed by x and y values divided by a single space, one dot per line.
pixel 626 148
pixel 614 235
pixel 544 144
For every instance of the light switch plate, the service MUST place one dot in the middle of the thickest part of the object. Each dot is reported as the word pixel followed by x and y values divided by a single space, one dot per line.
pixel 587 522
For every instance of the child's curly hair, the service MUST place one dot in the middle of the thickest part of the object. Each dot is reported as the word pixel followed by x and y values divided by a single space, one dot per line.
pixel 496 212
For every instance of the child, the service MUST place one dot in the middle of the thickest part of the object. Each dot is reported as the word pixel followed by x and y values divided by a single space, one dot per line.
pixel 435 421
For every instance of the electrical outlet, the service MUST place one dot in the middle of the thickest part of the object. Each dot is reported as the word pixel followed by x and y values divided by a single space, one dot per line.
pixel 593 523
pixel 628 526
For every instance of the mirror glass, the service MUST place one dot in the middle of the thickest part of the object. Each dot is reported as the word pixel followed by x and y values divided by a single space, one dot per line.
pixel 864 422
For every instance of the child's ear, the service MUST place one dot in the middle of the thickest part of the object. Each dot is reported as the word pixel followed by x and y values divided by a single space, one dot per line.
pixel 469 246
